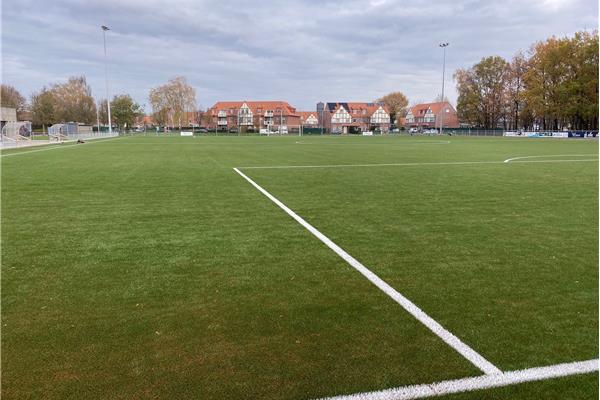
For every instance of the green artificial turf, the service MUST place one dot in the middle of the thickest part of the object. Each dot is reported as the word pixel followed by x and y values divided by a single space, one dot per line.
pixel 145 267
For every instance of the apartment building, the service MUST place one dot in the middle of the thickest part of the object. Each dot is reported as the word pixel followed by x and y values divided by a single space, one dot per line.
pixel 309 118
pixel 248 116
pixel 348 117
pixel 429 115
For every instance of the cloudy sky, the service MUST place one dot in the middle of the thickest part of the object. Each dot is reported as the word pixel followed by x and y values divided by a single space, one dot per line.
pixel 299 51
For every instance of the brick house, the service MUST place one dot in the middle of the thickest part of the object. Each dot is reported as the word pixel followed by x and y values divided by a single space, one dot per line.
pixel 253 116
pixel 309 118
pixel 354 117
pixel 428 115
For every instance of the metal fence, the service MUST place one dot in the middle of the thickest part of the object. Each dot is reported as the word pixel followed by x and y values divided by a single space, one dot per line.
pixel 473 132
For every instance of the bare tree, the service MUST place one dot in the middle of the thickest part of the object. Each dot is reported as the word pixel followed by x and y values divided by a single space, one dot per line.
pixel 103 112
pixel 10 97
pixel 514 89
pixel 74 101
pixel 172 101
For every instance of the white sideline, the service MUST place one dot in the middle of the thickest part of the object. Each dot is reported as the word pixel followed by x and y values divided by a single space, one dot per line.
pixel 475 383
pixel 453 341
pixel 550 155
pixel 415 164
pixel 52 146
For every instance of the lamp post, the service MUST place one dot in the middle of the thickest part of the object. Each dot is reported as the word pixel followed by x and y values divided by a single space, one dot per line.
pixel 104 29
pixel 443 45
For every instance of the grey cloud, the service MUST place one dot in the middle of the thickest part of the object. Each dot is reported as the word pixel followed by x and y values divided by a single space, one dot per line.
pixel 301 51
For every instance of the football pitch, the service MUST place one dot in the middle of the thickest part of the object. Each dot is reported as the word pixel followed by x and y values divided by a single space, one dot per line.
pixel 301 268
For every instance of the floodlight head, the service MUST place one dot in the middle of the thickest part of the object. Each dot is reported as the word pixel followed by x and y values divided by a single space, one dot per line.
pixel 444 44
pixel 105 28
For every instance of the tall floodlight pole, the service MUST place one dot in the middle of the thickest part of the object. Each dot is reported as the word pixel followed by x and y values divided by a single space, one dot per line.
pixel 98 117
pixel 443 45
pixel 104 29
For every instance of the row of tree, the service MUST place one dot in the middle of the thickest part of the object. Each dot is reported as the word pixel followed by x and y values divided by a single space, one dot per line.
pixel 73 101
pixel 172 104
pixel 70 101
pixel 553 86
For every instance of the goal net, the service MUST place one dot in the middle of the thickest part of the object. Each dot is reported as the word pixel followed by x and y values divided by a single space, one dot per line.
pixel 16 131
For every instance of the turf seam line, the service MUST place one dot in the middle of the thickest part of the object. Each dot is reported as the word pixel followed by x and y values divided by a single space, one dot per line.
pixel 475 383
pixel 412 164
pixel 450 339
pixel 379 144
pixel 549 155
pixel 53 146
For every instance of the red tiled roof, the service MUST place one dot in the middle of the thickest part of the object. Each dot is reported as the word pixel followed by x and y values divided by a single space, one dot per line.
pixel 359 107
pixel 435 107
pixel 304 115
pixel 255 105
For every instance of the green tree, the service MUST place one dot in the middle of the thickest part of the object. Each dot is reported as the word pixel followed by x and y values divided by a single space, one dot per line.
pixel 544 81
pixel 481 92
pixel 555 87
pixel 396 103
pixel 583 85
pixel 561 83
pixel 124 110
pixel 42 108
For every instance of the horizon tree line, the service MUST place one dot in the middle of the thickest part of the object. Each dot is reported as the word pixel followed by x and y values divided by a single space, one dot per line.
pixel 553 86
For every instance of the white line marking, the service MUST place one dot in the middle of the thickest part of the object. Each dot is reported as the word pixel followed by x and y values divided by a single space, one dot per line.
pixel 550 155
pixel 54 146
pixel 453 341
pixel 475 383
pixel 415 164
pixel 377 144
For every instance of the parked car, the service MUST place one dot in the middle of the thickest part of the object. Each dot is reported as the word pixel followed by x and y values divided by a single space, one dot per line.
pixel 202 130
pixel 264 131
pixel 413 130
